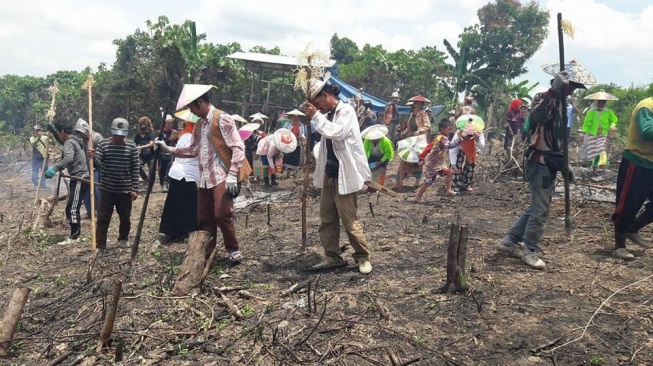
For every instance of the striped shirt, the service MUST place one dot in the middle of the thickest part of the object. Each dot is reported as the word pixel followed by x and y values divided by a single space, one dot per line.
pixel 212 172
pixel 353 171
pixel 118 164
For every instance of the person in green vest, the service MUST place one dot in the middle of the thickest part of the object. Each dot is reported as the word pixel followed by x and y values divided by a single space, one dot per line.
pixel 635 182
pixel 598 121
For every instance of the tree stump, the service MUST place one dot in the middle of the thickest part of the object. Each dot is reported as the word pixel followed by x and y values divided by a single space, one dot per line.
pixel 11 318
pixel 457 279
pixel 190 276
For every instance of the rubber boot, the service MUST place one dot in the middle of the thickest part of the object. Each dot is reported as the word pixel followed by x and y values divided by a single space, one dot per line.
pixel 273 180
pixel 642 220
pixel 266 180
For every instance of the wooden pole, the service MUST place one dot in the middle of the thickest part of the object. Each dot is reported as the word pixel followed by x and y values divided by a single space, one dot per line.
pixel 306 161
pixel 54 89
pixel 107 328
pixel 452 259
pixel 565 138
pixel 462 281
pixel 11 318
pixel 88 85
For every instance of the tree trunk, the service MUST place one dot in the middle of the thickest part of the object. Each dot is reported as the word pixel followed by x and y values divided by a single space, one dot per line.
pixel 457 279
pixel 107 328
pixel 11 318
pixel 190 273
pixel 462 282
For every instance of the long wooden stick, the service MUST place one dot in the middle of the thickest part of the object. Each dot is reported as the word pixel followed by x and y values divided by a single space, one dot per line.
pixel 107 328
pixel 306 161
pixel 54 89
pixel 88 85
pixel 11 318
pixel 565 139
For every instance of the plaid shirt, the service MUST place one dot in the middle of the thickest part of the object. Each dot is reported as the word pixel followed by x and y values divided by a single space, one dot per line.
pixel 211 171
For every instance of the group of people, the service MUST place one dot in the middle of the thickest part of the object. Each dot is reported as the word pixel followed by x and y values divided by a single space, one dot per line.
pixel 211 161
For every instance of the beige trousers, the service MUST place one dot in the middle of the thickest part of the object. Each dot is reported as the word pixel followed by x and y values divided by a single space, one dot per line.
pixel 334 209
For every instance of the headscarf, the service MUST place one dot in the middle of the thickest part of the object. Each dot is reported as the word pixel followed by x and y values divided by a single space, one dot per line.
pixel 515 104
pixel 188 128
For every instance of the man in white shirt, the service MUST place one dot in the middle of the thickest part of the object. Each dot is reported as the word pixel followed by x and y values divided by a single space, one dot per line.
pixel 341 171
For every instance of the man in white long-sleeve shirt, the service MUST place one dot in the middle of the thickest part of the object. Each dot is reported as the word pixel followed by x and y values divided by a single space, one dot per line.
pixel 341 171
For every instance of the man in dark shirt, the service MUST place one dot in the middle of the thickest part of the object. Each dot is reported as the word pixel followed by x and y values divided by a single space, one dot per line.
pixel 144 141
pixel 170 137
pixel 391 117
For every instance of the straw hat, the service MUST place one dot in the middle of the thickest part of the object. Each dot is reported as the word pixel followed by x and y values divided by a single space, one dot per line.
pixel 238 118
pixel 187 116
pixel 190 92
pixel 295 112
pixel 419 98
pixel 374 132
pixel 575 71
pixel 259 116
pixel 284 140
pixel 169 118
pixel 317 85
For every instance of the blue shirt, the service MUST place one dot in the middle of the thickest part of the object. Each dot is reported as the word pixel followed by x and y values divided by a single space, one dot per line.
pixel 570 115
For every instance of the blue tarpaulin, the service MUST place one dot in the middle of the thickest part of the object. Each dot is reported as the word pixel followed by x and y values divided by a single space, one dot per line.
pixel 347 92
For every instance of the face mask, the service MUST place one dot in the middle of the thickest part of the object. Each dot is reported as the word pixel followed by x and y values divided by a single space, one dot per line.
pixel 142 126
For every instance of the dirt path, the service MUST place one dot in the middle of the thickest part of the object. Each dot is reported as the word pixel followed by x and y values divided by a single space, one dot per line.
pixel 390 317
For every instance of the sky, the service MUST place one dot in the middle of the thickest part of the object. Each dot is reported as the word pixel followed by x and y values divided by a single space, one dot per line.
pixel 614 38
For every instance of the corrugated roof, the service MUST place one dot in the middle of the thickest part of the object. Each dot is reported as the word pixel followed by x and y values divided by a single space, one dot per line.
pixel 272 62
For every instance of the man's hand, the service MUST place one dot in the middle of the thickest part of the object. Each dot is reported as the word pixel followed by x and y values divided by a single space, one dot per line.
pixel 232 184
pixel 90 153
pixel 160 144
pixel 134 195
pixel 50 172
pixel 570 175
pixel 309 110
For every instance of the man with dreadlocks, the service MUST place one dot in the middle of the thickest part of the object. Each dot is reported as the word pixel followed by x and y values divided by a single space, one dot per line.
pixel 544 158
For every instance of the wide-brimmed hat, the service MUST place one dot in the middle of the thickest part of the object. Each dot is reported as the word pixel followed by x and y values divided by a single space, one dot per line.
pixel 187 116
pixel 190 92
pixel 284 140
pixel 418 98
pixel 169 118
pixel 82 126
pixel 259 116
pixel 395 94
pixel 575 71
pixel 318 84
pixel 247 130
pixel 119 127
pixel 295 112
pixel 601 96
pixel 374 132
pixel 238 118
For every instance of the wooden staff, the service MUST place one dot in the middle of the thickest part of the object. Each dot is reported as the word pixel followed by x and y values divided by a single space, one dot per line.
pixel 88 85
pixel 306 161
pixel 565 135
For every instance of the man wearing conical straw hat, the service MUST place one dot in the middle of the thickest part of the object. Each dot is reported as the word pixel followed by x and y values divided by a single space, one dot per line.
pixel 544 159
pixel 221 154
pixel 341 171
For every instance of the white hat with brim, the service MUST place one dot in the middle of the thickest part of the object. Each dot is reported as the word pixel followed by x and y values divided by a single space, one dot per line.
pixel 295 112
pixel 169 118
pixel 187 116
pixel 238 118
pixel 82 126
pixel 247 130
pixel 190 92
pixel 374 132
pixel 575 71
pixel 259 116
pixel 318 84
pixel 284 140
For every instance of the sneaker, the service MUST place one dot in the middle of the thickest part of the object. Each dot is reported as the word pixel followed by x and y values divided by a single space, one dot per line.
pixel 236 257
pixel 364 266
pixel 509 248
pixel 638 240
pixel 623 253
pixel 328 263
pixel 68 241
pixel 533 260
pixel 123 244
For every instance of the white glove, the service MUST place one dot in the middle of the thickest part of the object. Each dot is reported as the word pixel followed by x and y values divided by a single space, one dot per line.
pixel 232 183
pixel 160 144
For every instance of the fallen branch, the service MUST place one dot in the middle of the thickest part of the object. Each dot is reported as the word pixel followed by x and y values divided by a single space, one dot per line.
pixel 233 309
pixel 546 345
pixel 11 318
pixel 597 311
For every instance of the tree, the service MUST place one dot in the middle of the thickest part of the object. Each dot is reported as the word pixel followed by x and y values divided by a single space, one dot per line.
pixel 343 50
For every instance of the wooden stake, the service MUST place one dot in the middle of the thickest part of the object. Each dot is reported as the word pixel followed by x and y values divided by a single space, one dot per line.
pixel 306 161
pixel 452 259
pixel 380 188
pixel 11 318
pixel 107 328
pixel 462 281
pixel 88 85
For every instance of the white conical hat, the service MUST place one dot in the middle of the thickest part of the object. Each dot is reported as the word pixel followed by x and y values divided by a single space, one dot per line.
pixel 295 112
pixel 259 116
pixel 374 132
pixel 190 92
pixel 186 115
pixel 238 118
